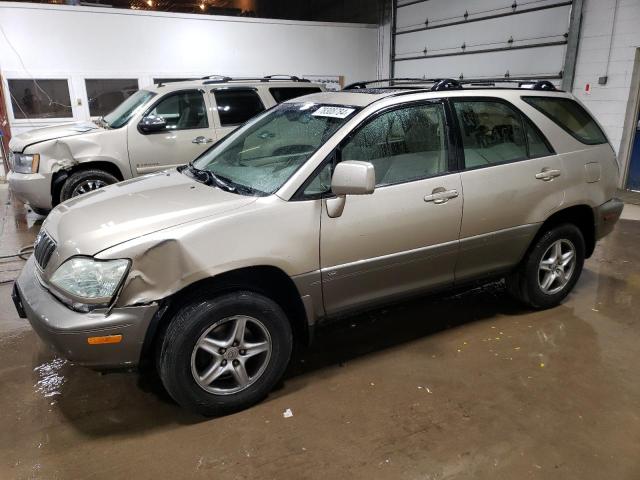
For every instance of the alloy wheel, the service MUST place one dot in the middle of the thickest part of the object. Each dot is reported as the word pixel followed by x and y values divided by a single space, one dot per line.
pixel 88 186
pixel 556 266
pixel 231 355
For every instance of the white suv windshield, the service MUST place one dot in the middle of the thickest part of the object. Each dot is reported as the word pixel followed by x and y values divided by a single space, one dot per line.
pixel 123 112
pixel 262 154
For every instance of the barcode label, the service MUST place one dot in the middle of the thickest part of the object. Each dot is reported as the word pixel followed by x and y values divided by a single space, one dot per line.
pixel 335 112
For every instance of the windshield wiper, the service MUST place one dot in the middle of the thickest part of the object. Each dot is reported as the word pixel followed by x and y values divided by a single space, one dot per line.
pixel 210 178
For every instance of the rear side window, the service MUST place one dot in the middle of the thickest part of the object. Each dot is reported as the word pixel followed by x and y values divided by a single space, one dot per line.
pixel 491 133
pixel 282 94
pixel 236 106
pixel 495 132
pixel 571 116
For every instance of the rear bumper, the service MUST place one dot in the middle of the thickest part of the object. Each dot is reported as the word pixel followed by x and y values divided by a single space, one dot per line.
pixel 606 216
pixel 67 331
pixel 31 188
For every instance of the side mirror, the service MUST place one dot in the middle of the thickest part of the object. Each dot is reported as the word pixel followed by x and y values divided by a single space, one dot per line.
pixel 353 177
pixel 152 123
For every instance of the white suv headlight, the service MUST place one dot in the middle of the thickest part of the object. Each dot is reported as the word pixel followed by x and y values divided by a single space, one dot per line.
pixel 24 163
pixel 88 278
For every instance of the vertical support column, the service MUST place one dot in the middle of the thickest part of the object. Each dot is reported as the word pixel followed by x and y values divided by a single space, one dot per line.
pixel 573 40
pixel 392 43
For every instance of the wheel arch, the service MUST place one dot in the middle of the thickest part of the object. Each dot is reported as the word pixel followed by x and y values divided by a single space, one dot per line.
pixel 267 280
pixel 579 215
pixel 61 176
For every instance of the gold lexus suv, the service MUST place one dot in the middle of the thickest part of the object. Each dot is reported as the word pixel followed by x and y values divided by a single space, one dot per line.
pixel 321 206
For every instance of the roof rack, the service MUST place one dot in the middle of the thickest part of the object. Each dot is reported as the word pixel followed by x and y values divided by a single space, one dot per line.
pixel 209 79
pixel 440 84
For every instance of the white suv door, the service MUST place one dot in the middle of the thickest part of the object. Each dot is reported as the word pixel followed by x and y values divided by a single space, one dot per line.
pixel 187 132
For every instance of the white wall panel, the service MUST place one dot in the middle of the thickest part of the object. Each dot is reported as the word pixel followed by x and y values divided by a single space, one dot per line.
pixel 482 65
pixel 84 42
pixel 602 26
pixel 540 26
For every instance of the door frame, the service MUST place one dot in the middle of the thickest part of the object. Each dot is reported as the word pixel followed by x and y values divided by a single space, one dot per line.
pixel 630 122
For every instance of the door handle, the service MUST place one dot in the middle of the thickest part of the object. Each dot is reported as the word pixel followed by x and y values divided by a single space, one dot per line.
pixel 202 140
pixel 440 195
pixel 547 174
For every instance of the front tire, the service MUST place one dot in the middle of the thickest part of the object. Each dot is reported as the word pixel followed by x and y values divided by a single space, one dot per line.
pixel 550 268
pixel 226 353
pixel 85 181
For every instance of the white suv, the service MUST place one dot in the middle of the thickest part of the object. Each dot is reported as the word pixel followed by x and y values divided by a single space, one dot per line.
pixel 165 126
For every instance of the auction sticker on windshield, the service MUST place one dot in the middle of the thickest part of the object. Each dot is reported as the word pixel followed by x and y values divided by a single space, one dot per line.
pixel 335 112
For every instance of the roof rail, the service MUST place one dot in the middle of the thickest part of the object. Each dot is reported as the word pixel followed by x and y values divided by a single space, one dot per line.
pixel 267 78
pixel 439 84
pixel 392 82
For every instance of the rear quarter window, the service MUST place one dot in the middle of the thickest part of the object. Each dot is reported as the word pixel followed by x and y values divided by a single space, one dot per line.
pixel 571 117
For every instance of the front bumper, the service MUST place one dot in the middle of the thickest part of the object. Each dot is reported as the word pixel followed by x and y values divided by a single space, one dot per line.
pixel 31 188
pixel 67 331
pixel 606 216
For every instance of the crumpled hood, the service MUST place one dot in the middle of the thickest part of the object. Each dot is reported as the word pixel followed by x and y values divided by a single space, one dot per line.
pixel 90 223
pixel 37 135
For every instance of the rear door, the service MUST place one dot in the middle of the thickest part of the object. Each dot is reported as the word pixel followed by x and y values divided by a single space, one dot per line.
pixel 512 180
pixel 403 238
pixel 233 106
pixel 188 133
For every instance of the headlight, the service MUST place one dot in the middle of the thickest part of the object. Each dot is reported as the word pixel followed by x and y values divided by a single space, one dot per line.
pixel 90 279
pixel 24 162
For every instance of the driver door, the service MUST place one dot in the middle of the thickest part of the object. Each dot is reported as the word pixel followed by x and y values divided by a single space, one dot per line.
pixel 188 133
pixel 403 238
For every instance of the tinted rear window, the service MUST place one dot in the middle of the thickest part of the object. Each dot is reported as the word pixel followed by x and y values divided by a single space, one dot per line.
pixel 282 94
pixel 236 106
pixel 571 116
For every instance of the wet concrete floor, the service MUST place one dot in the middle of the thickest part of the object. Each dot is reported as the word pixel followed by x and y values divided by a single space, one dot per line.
pixel 469 386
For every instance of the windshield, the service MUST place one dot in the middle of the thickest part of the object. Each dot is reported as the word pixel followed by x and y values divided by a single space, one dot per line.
pixel 123 112
pixel 262 154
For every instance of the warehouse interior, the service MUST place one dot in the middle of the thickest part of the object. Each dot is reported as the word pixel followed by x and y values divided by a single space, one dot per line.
pixel 452 385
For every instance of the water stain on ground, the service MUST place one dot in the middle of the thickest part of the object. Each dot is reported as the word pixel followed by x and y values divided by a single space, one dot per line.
pixel 466 386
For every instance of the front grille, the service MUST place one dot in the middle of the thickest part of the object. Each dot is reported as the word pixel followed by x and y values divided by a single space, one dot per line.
pixel 43 248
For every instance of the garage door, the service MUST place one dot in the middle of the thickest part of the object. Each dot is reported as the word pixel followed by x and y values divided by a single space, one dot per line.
pixel 480 39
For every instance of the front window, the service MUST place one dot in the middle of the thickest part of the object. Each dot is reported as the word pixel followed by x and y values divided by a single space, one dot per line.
pixel 182 110
pixel 264 153
pixel 123 112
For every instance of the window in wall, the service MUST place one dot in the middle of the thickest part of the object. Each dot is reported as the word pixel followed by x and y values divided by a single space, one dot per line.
pixel 403 145
pixel 282 94
pixel 40 98
pixel 236 105
pixel 106 94
pixel 569 115
pixel 491 133
pixel 182 110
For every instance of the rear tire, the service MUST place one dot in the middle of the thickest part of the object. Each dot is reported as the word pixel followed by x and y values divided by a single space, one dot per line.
pixel 85 181
pixel 226 353
pixel 550 269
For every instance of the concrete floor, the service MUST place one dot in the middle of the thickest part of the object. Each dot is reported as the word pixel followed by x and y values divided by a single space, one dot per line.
pixel 470 386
